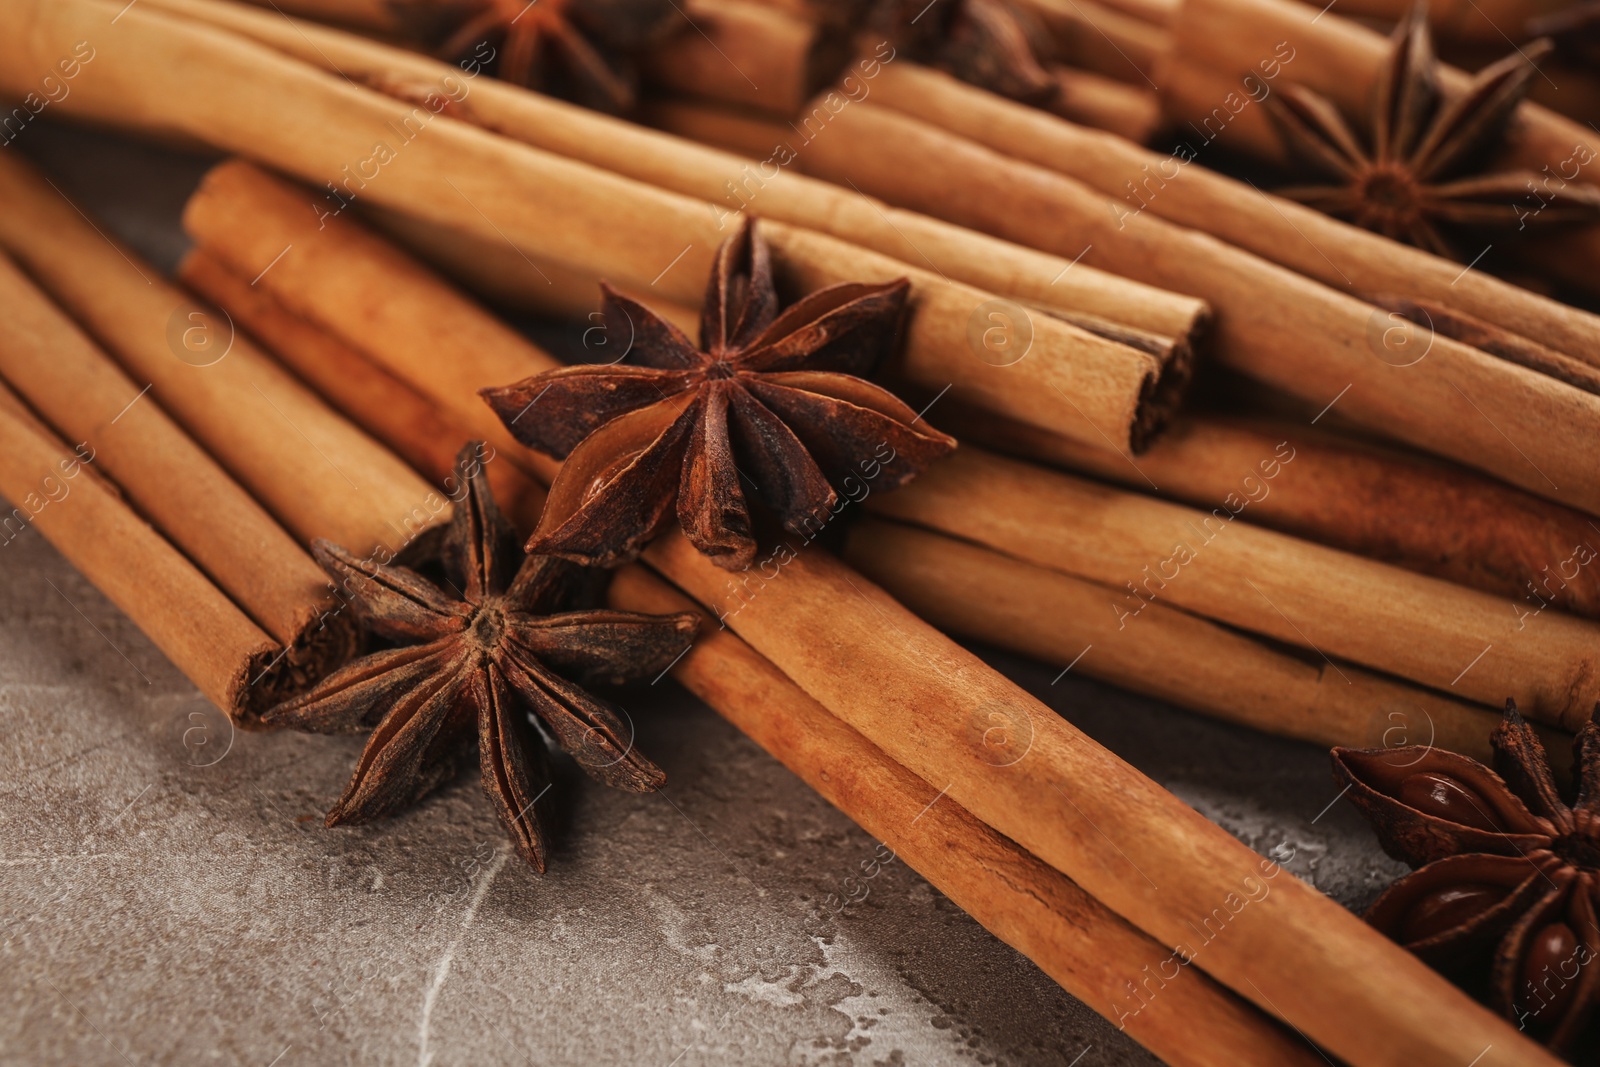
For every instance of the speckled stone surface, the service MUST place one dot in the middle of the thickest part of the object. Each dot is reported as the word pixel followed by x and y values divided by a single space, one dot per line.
pixel 169 895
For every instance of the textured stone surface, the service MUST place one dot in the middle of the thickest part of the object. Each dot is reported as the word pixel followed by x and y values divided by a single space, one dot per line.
pixel 169 895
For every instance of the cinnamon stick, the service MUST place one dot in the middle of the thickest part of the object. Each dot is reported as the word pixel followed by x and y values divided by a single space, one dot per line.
pixel 1103 103
pixel 1279 327
pixel 507 279
pixel 748 54
pixel 934 708
pixel 316 473
pixel 1097 37
pixel 1456 640
pixel 1341 59
pixel 52 487
pixel 1169 654
pixel 176 486
pixel 1139 182
pixel 377 16
pixel 771 188
pixel 912 692
pixel 1378 502
pixel 369 396
pixel 1091 952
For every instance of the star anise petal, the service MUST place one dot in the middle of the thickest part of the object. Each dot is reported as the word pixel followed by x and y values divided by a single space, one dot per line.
pixel 1407 90
pixel 1586 764
pixel 711 505
pixel 1426 803
pixel 787 475
pixel 352 698
pixel 395 602
pixel 1467 125
pixel 587 728
pixel 513 765
pixel 741 297
pixel 1317 132
pixel 1454 911
pixel 1520 759
pixel 404 758
pixel 481 546
pixel 646 338
pixel 554 411
pixel 1539 939
pixel 609 647
pixel 617 489
pixel 989 43
pixel 846 328
pixel 862 420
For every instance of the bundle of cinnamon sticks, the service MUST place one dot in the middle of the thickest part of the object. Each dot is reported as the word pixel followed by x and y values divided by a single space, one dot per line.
pixel 1251 558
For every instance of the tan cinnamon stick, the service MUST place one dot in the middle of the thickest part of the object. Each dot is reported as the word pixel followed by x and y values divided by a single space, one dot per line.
pixel 1378 502
pixel 1341 59
pixel 194 624
pixel 1095 955
pixel 1272 324
pixel 508 279
pixel 319 475
pixel 1456 640
pixel 769 188
pixel 1098 101
pixel 1490 22
pixel 1139 182
pixel 749 54
pixel 373 15
pixel 1168 653
pixel 369 396
pixel 174 484
pixel 1097 37
pixel 934 708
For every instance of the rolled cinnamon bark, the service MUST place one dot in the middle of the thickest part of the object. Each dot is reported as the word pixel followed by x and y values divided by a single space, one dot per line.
pixel 378 16
pixel 770 188
pixel 180 489
pixel 1279 327
pixel 1094 955
pixel 366 394
pixel 1170 654
pixel 1456 640
pixel 1013 763
pixel 1099 38
pixel 52 487
pixel 1169 186
pixel 1342 59
pixel 506 278
pixel 316 473
pixel 1378 502
pixel 1105 104
pixel 748 54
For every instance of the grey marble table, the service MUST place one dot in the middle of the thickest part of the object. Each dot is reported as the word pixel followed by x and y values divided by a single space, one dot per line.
pixel 169 895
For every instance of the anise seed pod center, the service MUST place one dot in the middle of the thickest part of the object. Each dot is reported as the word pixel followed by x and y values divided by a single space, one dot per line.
pixel 1390 192
pixel 488 624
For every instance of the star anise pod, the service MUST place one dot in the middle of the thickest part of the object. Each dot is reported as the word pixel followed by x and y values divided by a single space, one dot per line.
pixel 772 400
pixel 1575 30
pixel 1506 888
pixel 506 642
pixel 580 50
pixel 1418 175
pixel 990 43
